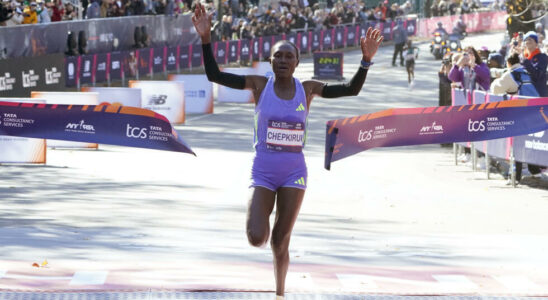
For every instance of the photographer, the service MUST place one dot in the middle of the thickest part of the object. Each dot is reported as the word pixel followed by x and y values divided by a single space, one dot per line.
pixel 445 82
pixel 5 13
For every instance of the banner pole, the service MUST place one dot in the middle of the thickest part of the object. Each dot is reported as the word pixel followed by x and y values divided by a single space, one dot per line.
pixel 486 161
pixel 512 167
pixel 455 152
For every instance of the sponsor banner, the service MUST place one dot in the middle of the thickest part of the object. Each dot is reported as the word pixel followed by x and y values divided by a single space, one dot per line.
pixel 68 98
pixel 327 39
pixel 163 97
pixel 362 30
pixel 104 34
pixel 86 69
pixel 159 59
pixel 220 52
pixel 339 37
pixel 233 51
pixel 351 35
pixel 315 40
pixel 171 58
pixel 226 94
pixel 129 63
pixel 532 148
pixel 117 96
pixel 292 37
pixel 196 56
pixel 256 44
pixel 434 125
pixel 474 22
pixel 19 76
pixel 144 63
pixel 245 50
pixel 116 70
pixel 267 43
pixel 411 26
pixel 15 149
pixel 198 93
pixel 71 70
pixel 184 57
pixel 304 42
pixel 106 124
pixel 328 65
pixel 386 29
pixel 101 67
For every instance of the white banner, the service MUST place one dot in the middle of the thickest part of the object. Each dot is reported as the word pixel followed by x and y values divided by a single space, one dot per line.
pixel 163 97
pixel 263 68
pixel 19 149
pixel 198 93
pixel 118 96
pixel 75 98
pixel 226 94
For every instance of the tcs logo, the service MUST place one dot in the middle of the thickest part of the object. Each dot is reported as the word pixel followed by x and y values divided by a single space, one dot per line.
pixel 136 132
pixel 475 126
pixel 365 136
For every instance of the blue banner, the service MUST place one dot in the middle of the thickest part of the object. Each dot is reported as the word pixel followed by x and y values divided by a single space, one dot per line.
pixel 103 124
pixel 435 125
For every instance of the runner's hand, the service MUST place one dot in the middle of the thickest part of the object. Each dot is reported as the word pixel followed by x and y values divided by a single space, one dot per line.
pixel 202 23
pixel 370 43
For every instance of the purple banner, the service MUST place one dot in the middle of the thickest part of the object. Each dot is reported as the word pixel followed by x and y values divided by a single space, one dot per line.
pixel 86 69
pixel 386 29
pixel 327 39
pixel 292 37
pixel 256 44
pixel 304 42
pixel 233 50
pixel 171 58
pixel 532 148
pixel 339 37
pixel 144 61
pixel 104 124
pixel 71 70
pixel 434 125
pixel 101 67
pixel 196 59
pixel 115 70
pixel 129 63
pixel 220 52
pixel 411 26
pixel 266 44
pixel 159 59
pixel 362 31
pixel 184 57
pixel 245 50
pixel 351 35
pixel 316 41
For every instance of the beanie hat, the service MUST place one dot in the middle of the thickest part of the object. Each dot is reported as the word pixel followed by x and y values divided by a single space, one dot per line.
pixel 531 34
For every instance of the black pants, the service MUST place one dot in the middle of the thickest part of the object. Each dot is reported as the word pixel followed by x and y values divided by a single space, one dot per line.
pixel 533 169
pixel 398 48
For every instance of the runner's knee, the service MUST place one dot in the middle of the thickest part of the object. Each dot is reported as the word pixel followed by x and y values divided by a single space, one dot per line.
pixel 256 239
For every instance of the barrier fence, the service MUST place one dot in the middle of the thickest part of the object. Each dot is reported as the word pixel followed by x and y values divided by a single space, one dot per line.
pixel 531 148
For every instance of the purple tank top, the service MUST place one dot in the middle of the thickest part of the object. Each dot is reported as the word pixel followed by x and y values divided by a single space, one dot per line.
pixel 280 125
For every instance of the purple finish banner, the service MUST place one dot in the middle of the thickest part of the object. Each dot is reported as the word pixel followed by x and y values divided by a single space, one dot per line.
pixel 304 42
pixel 220 52
pixel 316 41
pixel 86 69
pixel 115 70
pixel 245 50
pixel 256 48
pixel 101 67
pixel 233 51
pixel 196 59
pixel 104 124
pixel 159 59
pixel 351 35
pixel 339 37
pixel 144 61
pixel 171 58
pixel 434 125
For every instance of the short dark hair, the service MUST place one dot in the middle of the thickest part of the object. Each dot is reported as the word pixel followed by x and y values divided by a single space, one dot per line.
pixel 513 59
pixel 286 42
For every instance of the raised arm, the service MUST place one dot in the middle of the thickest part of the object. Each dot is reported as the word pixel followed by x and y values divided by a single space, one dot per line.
pixel 369 45
pixel 202 23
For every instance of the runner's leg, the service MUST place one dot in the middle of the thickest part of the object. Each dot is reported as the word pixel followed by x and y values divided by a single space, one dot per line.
pixel 259 209
pixel 288 205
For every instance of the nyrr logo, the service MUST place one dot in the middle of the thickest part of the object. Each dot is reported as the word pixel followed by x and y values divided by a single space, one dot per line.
pixel 475 126
pixel 136 132
pixel 365 135
pixel 6 82
pixel 82 126
pixel 432 129
pixel 157 100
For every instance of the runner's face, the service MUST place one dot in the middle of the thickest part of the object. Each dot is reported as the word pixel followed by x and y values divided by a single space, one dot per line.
pixel 284 60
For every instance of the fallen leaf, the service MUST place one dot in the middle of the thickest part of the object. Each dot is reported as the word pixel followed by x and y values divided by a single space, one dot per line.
pixel 44 263
pixel 36 265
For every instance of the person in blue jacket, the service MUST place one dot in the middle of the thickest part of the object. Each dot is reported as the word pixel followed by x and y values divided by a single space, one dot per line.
pixel 535 63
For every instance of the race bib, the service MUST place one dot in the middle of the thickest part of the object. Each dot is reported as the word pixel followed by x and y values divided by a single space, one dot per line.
pixel 285 136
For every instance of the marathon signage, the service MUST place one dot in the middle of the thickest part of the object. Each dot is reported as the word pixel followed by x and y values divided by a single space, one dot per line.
pixel 437 125
pixel 256 48
pixel 220 52
pixel 304 42
pixel 71 70
pixel 233 49
pixel 267 42
pixel 86 69
pixel 171 58
pixel 351 35
pixel 184 57
pixel 339 37
pixel 104 124
pixel 144 61
pixel 19 76
pixel 245 50
pixel 316 41
pixel 327 39
pixel 196 56
pixel 159 60
pixel 101 67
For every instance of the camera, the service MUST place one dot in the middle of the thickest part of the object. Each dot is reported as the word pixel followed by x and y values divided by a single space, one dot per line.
pixel 515 43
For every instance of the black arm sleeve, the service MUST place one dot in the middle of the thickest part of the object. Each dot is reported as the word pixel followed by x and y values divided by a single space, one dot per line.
pixel 351 88
pixel 215 75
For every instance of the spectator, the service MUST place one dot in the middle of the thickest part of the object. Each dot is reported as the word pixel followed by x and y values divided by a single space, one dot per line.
pixel 70 13
pixel 539 30
pixel 29 14
pixel 118 8
pixel 245 32
pixel 400 38
pixel 506 83
pixel 57 11
pixel 535 62
pixel 452 8
pixel 495 62
pixel 94 10
pixel 470 71
pixel 16 18
pixel 444 82
pixel 43 13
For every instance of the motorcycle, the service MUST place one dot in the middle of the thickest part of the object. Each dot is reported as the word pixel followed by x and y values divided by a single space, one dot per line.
pixel 452 44
pixel 437 45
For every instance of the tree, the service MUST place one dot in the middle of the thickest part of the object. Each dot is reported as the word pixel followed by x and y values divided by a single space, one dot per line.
pixel 520 15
